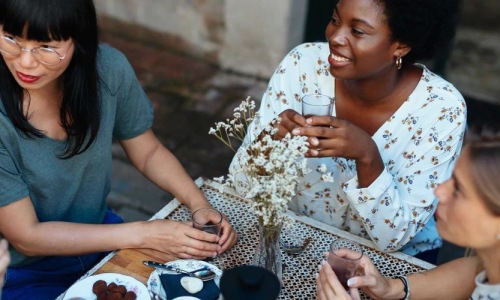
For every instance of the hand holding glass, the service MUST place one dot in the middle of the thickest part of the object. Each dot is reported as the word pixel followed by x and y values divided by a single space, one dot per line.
pixel 344 258
pixel 317 105
pixel 208 220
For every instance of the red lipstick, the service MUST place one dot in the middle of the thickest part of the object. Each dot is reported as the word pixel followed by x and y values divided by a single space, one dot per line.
pixel 27 78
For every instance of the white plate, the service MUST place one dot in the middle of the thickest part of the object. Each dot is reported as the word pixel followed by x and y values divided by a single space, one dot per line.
pixel 154 283
pixel 83 288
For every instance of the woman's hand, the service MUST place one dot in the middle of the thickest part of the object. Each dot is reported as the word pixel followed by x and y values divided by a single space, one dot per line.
pixel 334 137
pixel 181 239
pixel 372 283
pixel 228 235
pixel 329 287
pixel 290 119
pixel 4 259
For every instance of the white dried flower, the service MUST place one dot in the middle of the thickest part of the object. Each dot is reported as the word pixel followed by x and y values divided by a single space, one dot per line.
pixel 269 170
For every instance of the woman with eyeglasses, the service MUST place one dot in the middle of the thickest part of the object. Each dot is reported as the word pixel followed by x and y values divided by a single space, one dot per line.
pixel 64 98
pixel 468 214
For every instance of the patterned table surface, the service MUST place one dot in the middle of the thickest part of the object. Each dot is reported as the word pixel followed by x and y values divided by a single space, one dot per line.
pixel 299 280
pixel 299 271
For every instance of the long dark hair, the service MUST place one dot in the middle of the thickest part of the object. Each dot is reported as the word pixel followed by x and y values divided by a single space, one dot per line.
pixel 60 20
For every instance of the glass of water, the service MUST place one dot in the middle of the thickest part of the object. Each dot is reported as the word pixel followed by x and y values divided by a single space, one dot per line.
pixel 317 105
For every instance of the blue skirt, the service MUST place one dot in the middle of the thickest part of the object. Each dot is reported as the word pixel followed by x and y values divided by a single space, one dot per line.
pixel 51 276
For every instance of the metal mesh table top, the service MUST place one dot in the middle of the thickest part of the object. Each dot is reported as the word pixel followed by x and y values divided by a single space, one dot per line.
pixel 299 279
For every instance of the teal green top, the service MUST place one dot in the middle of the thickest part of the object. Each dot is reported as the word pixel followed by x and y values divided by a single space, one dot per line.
pixel 75 189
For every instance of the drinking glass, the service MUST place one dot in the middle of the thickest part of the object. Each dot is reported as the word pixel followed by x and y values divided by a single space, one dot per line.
pixel 317 105
pixel 344 259
pixel 208 220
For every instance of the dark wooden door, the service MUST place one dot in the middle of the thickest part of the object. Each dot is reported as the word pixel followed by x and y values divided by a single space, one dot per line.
pixel 319 13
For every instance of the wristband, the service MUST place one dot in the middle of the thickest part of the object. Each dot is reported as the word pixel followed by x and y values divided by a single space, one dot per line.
pixel 406 286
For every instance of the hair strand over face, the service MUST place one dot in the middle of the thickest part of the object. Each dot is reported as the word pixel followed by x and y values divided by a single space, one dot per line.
pixel 484 164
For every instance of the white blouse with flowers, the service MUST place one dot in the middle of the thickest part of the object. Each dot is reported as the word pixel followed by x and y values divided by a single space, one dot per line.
pixel 419 145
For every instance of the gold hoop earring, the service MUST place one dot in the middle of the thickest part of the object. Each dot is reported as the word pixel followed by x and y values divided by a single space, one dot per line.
pixel 399 62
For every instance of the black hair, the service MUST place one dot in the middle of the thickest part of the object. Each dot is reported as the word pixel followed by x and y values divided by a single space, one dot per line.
pixel 60 20
pixel 427 26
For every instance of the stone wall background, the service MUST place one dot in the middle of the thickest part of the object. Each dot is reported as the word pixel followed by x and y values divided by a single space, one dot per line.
pixel 251 37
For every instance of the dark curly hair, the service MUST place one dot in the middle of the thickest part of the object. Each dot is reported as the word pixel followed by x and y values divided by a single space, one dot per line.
pixel 427 26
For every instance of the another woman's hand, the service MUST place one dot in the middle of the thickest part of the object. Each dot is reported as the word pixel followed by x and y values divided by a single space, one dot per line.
pixel 334 137
pixel 4 259
pixel 290 119
pixel 329 287
pixel 228 236
pixel 372 283
pixel 182 240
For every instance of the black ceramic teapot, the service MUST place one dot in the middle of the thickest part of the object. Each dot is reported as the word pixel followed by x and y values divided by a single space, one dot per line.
pixel 249 282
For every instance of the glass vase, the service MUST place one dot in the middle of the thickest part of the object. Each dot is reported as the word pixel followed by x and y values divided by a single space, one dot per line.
pixel 268 253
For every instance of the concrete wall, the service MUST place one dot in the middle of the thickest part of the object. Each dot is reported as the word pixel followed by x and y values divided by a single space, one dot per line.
pixel 252 36
pixel 201 23
pixel 245 36
pixel 481 14
pixel 474 64
pixel 259 32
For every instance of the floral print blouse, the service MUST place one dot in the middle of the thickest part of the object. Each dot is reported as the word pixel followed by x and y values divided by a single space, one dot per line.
pixel 419 145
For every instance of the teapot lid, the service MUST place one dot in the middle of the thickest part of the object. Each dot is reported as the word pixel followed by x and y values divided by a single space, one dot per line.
pixel 249 282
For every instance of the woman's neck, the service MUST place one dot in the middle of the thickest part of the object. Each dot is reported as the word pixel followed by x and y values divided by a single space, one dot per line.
pixel 46 97
pixel 384 88
pixel 491 261
pixel 50 91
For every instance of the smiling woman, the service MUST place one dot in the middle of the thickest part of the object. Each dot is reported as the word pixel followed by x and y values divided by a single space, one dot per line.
pixel 47 54
pixel 396 128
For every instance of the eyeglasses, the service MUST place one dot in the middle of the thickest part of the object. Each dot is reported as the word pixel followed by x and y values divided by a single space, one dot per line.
pixel 42 54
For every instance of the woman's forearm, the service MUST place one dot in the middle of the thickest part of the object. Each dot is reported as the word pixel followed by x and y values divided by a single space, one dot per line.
pixel 162 168
pixel 453 280
pixel 176 180
pixel 63 238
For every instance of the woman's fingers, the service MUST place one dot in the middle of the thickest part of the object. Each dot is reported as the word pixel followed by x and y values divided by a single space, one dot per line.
pixel 290 120
pixel 321 285
pixel 329 287
pixel 184 241
pixel 226 230
pixel 354 293
pixel 229 236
